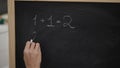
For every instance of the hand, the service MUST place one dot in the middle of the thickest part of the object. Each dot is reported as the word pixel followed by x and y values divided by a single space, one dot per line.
pixel 32 55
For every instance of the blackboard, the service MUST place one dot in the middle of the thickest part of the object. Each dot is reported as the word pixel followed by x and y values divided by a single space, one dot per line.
pixel 72 34
pixel 3 6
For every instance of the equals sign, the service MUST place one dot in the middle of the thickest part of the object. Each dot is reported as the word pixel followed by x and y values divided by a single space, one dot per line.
pixel 58 21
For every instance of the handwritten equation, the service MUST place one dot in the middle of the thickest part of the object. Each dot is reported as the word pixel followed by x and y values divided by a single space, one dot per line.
pixel 66 21
pixel 51 22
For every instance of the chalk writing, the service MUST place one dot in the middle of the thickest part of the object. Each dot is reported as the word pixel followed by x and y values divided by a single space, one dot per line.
pixel 58 21
pixel 42 20
pixel 68 23
pixel 35 20
pixel 50 21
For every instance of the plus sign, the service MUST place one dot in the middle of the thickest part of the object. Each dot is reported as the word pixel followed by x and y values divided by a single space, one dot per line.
pixel 42 20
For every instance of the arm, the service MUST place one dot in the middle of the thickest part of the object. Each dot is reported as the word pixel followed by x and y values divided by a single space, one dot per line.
pixel 32 55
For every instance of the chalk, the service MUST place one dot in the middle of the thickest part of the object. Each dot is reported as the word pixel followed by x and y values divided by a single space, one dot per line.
pixel 31 40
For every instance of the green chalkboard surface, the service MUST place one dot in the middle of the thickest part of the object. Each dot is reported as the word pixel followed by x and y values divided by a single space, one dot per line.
pixel 72 35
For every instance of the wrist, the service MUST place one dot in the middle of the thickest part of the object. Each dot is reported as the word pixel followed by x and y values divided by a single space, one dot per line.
pixel 33 67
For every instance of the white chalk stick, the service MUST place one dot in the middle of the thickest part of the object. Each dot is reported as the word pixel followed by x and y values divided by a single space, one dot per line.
pixel 31 40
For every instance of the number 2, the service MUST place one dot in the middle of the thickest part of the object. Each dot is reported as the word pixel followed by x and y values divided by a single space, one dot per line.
pixel 69 22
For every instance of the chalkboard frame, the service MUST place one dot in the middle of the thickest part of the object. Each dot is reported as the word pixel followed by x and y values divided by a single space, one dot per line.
pixel 11 19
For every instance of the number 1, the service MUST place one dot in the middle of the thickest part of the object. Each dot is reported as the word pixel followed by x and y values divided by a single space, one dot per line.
pixel 51 22
pixel 35 20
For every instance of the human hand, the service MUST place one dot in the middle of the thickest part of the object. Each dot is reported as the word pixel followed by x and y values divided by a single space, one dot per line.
pixel 32 55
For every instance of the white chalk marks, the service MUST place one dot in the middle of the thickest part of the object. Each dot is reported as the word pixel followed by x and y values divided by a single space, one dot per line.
pixel 68 22
pixel 42 20
pixel 35 20
pixel 34 33
pixel 51 21
pixel 58 21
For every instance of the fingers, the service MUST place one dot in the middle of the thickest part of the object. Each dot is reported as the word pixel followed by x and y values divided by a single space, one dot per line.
pixel 37 47
pixel 32 54
pixel 27 45
pixel 32 46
